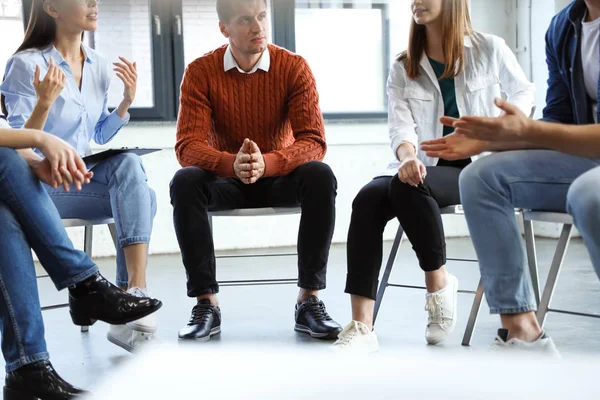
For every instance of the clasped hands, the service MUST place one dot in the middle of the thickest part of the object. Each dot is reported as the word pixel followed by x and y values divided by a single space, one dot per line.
pixel 249 163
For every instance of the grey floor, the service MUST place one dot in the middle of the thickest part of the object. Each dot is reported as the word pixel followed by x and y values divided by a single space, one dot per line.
pixel 262 316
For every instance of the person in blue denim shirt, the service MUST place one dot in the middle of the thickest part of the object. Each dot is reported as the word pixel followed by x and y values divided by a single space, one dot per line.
pixel 30 220
pixel 562 178
pixel 57 84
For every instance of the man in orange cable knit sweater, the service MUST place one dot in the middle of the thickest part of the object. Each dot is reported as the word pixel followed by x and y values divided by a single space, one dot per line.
pixel 250 134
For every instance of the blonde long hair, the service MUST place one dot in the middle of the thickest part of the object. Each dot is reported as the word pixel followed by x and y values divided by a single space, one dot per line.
pixel 456 24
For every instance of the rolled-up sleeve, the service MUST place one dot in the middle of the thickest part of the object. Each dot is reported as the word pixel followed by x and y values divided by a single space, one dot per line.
pixel 109 123
pixel 513 81
pixel 402 127
pixel 18 91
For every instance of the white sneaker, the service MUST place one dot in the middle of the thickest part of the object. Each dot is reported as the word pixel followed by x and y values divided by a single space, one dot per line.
pixel 127 338
pixel 357 337
pixel 148 323
pixel 544 345
pixel 441 306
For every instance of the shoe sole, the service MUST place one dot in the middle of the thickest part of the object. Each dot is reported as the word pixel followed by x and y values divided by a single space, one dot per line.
pixel 141 328
pixel 122 345
pixel 89 321
pixel 433 343
pixel 315 335
pixel 213 332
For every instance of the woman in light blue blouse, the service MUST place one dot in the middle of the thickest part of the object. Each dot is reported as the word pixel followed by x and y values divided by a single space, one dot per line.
pixel 57 84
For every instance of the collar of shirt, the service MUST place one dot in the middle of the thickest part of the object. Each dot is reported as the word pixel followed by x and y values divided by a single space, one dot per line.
pixel 264 63
pixel 51 51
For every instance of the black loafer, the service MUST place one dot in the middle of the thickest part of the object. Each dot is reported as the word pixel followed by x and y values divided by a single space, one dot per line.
pixel 97 299
pixel 36 381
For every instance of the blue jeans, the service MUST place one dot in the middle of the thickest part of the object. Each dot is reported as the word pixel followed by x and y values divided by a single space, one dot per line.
pixel 583 203
pixel 118 190
pixel 30 220
pixel 491 189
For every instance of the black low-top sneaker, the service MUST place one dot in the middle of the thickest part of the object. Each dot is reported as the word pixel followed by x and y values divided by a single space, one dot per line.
pixel 205 322
pixel 312 319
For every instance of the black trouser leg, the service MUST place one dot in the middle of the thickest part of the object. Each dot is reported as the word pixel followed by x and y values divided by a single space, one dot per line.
pixel 371 211
pixel 418 210
pixel 193 193
pixel 313 186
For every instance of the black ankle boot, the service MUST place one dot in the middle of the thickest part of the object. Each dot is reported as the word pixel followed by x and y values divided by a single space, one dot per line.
pixel 38 381
pixel 97 299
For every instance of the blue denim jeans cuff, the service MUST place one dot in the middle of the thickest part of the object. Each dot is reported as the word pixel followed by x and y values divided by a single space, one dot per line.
pixel 517 310
pixel 27 360
pixel 77 278
pixel 134 240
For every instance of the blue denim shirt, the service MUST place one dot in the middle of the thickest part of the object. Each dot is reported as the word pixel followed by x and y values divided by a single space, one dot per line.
pixel 77 116
pixel 566 99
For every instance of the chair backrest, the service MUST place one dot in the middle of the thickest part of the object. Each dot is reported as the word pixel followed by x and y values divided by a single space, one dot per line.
pixel 532 113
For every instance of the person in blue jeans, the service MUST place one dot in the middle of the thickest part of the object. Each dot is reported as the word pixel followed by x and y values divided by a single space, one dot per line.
pixel 30 220
pixel 57 84
pixel 548 170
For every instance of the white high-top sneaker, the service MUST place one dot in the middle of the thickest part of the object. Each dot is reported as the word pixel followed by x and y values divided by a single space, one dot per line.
pixel 441 306
pixel 148 323
pixel 544 345
pixel 357 337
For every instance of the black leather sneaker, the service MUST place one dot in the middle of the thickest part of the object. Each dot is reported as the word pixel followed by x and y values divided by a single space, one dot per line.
pixel 205 322
pixel 39 380
pixel 312 319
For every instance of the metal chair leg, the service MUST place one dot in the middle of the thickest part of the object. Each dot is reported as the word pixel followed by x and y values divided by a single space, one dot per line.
pixel 474 314
pixel 532 259
pixel 88 236
pixel 557 261
pixel 388 270
pixel 113 233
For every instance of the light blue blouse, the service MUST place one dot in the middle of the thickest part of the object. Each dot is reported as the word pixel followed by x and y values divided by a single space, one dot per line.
pixel 77 116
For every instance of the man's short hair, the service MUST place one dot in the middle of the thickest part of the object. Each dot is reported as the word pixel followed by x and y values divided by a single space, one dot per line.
pixel 225 8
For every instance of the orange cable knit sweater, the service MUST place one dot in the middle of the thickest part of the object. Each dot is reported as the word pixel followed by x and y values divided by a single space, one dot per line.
pixel 278 109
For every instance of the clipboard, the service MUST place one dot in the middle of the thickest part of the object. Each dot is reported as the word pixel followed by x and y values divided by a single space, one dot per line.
pixel 92 160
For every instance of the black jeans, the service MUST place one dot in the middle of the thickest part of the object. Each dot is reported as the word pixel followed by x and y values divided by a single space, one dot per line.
pixel 195 192
pixel 417 210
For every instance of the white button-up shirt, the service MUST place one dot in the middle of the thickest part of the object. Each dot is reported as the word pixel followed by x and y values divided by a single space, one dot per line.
pixel 416 106
pixel 263 63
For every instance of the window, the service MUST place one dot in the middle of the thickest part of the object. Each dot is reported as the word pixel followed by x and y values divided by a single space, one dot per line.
pixel 11 29
pixel 352 60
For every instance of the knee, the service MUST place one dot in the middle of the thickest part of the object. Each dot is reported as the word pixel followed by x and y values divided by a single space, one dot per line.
pixel 369 200
pixel 583 198
pixel 187 180
pixel 318 175
pixel 475 177
pixel 398 190
pixel 9 158
pixel 129 165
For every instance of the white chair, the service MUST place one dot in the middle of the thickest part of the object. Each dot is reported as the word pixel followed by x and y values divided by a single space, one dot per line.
pixel 557 261
pixel 256 212
pixel 87 245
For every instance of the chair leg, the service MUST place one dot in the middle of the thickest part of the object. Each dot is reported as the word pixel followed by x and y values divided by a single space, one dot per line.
pixel 557 261
pixel 388 270
pixel 532 259
pixel 473 316
pixel 85 329
pixel 88 239
pixel 113 233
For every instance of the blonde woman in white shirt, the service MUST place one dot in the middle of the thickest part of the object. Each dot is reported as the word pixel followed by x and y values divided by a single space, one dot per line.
pixel 448 70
